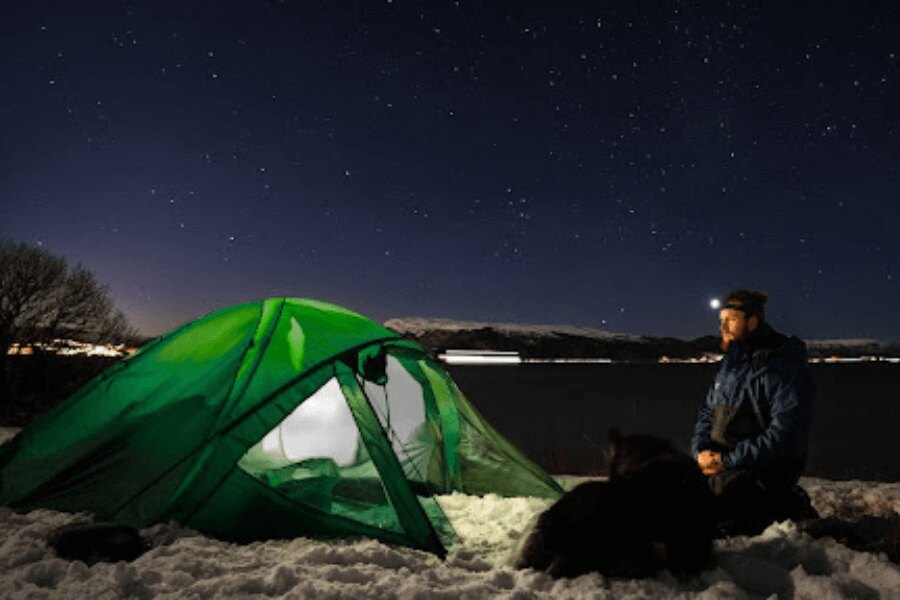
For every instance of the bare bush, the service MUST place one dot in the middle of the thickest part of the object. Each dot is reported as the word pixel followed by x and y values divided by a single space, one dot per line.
pixel 42 299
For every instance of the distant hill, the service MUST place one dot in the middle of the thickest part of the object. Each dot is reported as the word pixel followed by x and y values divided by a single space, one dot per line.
pixel 566 341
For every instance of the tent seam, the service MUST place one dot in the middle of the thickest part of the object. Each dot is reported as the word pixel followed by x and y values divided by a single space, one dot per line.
pixel 386 440
pixel 208 439
pixel 264 345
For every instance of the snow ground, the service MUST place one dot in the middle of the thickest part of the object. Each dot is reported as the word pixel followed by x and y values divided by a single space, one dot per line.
pixel 782 562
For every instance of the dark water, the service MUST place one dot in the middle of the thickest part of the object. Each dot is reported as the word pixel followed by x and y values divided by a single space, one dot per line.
pixel 559 414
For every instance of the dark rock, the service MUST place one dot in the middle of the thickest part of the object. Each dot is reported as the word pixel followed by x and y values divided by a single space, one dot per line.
pixel 97 542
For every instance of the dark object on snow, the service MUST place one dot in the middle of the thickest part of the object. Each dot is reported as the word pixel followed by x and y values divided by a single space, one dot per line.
pixel 656 511
pixel 745 505
pixel 866 534
pixel 97 542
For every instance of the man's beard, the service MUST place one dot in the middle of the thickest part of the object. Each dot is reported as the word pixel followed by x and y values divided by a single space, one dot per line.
pixel 725 344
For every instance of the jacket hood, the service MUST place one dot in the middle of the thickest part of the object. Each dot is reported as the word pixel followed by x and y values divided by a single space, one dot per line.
pixel 792 348
pixel 767 346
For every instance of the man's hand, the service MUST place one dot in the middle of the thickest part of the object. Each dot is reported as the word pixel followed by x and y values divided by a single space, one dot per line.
pixel 710 462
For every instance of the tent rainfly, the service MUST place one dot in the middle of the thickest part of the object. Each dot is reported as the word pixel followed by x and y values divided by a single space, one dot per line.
pixel 270 419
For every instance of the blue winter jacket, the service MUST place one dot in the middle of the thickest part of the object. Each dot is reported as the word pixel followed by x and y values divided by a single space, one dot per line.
pixel 773 381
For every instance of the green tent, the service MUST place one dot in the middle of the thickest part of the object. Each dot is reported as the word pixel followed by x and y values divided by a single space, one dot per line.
pixel 278 418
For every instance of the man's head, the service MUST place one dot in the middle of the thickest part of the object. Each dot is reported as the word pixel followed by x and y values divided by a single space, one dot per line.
pixel 741 313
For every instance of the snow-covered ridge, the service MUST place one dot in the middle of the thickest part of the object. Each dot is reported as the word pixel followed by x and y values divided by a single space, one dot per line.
pixel 533 341
pixel 551 341
pixel 422 325
pixel 844 342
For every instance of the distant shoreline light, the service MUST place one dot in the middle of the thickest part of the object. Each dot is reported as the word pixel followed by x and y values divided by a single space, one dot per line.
pixel 480 357
pixel 498 357
pixel 62 347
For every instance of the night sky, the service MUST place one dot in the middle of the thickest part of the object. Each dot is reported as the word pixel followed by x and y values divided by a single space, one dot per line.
pixel 609 164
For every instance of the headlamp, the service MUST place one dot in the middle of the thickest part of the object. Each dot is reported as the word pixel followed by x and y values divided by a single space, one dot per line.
pixel 716 304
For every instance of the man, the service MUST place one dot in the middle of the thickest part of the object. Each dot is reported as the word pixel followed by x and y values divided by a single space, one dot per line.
pixel 752 433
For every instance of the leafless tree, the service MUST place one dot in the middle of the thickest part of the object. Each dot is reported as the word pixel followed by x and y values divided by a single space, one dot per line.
pixel 42 299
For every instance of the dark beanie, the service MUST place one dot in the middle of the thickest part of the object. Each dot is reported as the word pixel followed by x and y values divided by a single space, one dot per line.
pixel 748 301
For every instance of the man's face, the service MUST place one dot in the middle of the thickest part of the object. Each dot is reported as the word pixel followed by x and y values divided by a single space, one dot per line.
pixel 734 325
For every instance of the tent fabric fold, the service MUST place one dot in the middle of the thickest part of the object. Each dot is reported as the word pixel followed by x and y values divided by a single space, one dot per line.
pixel 278 418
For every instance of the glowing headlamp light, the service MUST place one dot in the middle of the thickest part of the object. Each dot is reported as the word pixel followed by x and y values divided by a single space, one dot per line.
pixel 716 304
